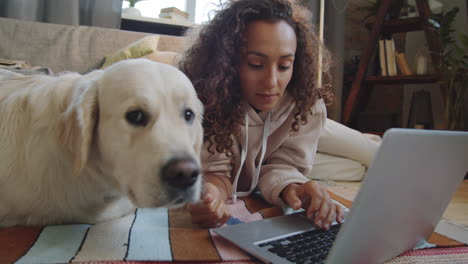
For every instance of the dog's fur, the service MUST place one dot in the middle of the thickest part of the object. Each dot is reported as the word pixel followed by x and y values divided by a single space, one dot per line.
pixel 69 155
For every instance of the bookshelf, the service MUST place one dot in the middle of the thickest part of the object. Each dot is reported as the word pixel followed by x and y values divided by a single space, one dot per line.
pixel 400 25
pixel 402 79
pixel 362 84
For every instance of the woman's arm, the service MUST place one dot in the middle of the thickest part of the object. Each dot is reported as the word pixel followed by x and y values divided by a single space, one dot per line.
pixel 282 179
pixel 293 158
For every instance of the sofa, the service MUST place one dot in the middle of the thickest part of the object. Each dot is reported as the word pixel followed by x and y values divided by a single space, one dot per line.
pixel 69 48
pixel 35 47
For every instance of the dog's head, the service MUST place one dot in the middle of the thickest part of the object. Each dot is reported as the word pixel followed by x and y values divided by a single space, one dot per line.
pixel 139 123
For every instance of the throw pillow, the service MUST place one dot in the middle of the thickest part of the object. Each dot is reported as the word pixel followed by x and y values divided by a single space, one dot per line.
pixel 136 49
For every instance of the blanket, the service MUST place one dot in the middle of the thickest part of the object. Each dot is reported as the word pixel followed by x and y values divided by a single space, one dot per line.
pixel 162 235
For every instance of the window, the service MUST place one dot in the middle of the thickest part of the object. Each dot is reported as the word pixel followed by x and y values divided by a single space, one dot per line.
pixel 199 10
pixel 204 9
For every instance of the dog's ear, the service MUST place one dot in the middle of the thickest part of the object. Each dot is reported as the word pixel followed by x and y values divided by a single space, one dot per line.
pixel 77 123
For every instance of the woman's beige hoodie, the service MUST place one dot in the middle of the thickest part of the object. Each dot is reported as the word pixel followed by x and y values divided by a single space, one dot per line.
pixel 287 158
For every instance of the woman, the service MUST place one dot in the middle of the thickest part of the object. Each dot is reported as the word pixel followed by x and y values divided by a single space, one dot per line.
pixel 254 66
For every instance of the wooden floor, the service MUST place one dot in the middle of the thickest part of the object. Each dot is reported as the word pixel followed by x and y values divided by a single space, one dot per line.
pixel 458 207
pixel 457 210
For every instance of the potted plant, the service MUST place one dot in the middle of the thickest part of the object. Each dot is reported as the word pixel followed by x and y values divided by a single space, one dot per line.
pixel 454 69
pixel 131 9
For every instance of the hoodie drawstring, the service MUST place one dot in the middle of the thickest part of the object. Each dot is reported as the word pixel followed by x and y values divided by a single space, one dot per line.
pixel 266 131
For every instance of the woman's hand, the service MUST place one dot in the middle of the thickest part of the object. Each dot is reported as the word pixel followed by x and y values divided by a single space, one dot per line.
pixel 314 198
pixel 212 210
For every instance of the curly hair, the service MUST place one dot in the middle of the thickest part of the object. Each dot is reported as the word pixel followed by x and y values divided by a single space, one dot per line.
pixel 212 63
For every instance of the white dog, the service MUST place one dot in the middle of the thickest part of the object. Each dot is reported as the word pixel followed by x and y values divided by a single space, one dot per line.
pixel 88 148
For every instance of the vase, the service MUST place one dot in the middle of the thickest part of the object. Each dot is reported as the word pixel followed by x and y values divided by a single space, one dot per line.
pixel 132 11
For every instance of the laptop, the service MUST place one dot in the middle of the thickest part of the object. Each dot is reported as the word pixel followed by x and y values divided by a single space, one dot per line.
pixel 408 186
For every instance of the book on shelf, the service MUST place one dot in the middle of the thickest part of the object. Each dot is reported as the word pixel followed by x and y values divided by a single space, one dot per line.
pixel 383 58
pixel 388 64
pixel 391 59
pixel 392 62
pixel 402 62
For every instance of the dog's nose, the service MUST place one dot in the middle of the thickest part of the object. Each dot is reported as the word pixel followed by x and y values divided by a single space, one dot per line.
pixel 181 172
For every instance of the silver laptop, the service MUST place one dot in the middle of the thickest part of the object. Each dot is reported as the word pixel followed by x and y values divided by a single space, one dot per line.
pixel 406 191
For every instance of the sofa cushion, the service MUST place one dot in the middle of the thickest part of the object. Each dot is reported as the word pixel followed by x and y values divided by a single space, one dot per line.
pixel 133 50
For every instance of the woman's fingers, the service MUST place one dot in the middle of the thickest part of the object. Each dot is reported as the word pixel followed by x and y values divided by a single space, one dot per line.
pixel 202 207
pixel 291 197
pixel 339 213
pixel 327 207
pixel 217 218
pixel 314 197
pixel 211 211
pixel 319 206
pixel 330 218
pixel 211 220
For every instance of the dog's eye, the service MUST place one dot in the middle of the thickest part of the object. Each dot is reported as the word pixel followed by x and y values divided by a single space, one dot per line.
pixel 137 118
pixel 189 116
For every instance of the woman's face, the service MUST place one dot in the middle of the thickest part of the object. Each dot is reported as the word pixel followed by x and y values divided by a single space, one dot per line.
pixel 267 63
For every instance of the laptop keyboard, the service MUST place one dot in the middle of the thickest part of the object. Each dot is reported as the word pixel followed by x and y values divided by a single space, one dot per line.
pixel 307 247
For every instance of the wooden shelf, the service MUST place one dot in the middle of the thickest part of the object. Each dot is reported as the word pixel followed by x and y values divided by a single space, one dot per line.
pixel 401 25
pixel 360 90
pixel 401 79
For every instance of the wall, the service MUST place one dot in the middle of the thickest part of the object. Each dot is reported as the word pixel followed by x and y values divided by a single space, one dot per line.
pixel 334 21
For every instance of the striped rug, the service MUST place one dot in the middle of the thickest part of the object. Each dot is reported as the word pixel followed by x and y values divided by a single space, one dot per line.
pixel 159 236
pixel 147 235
